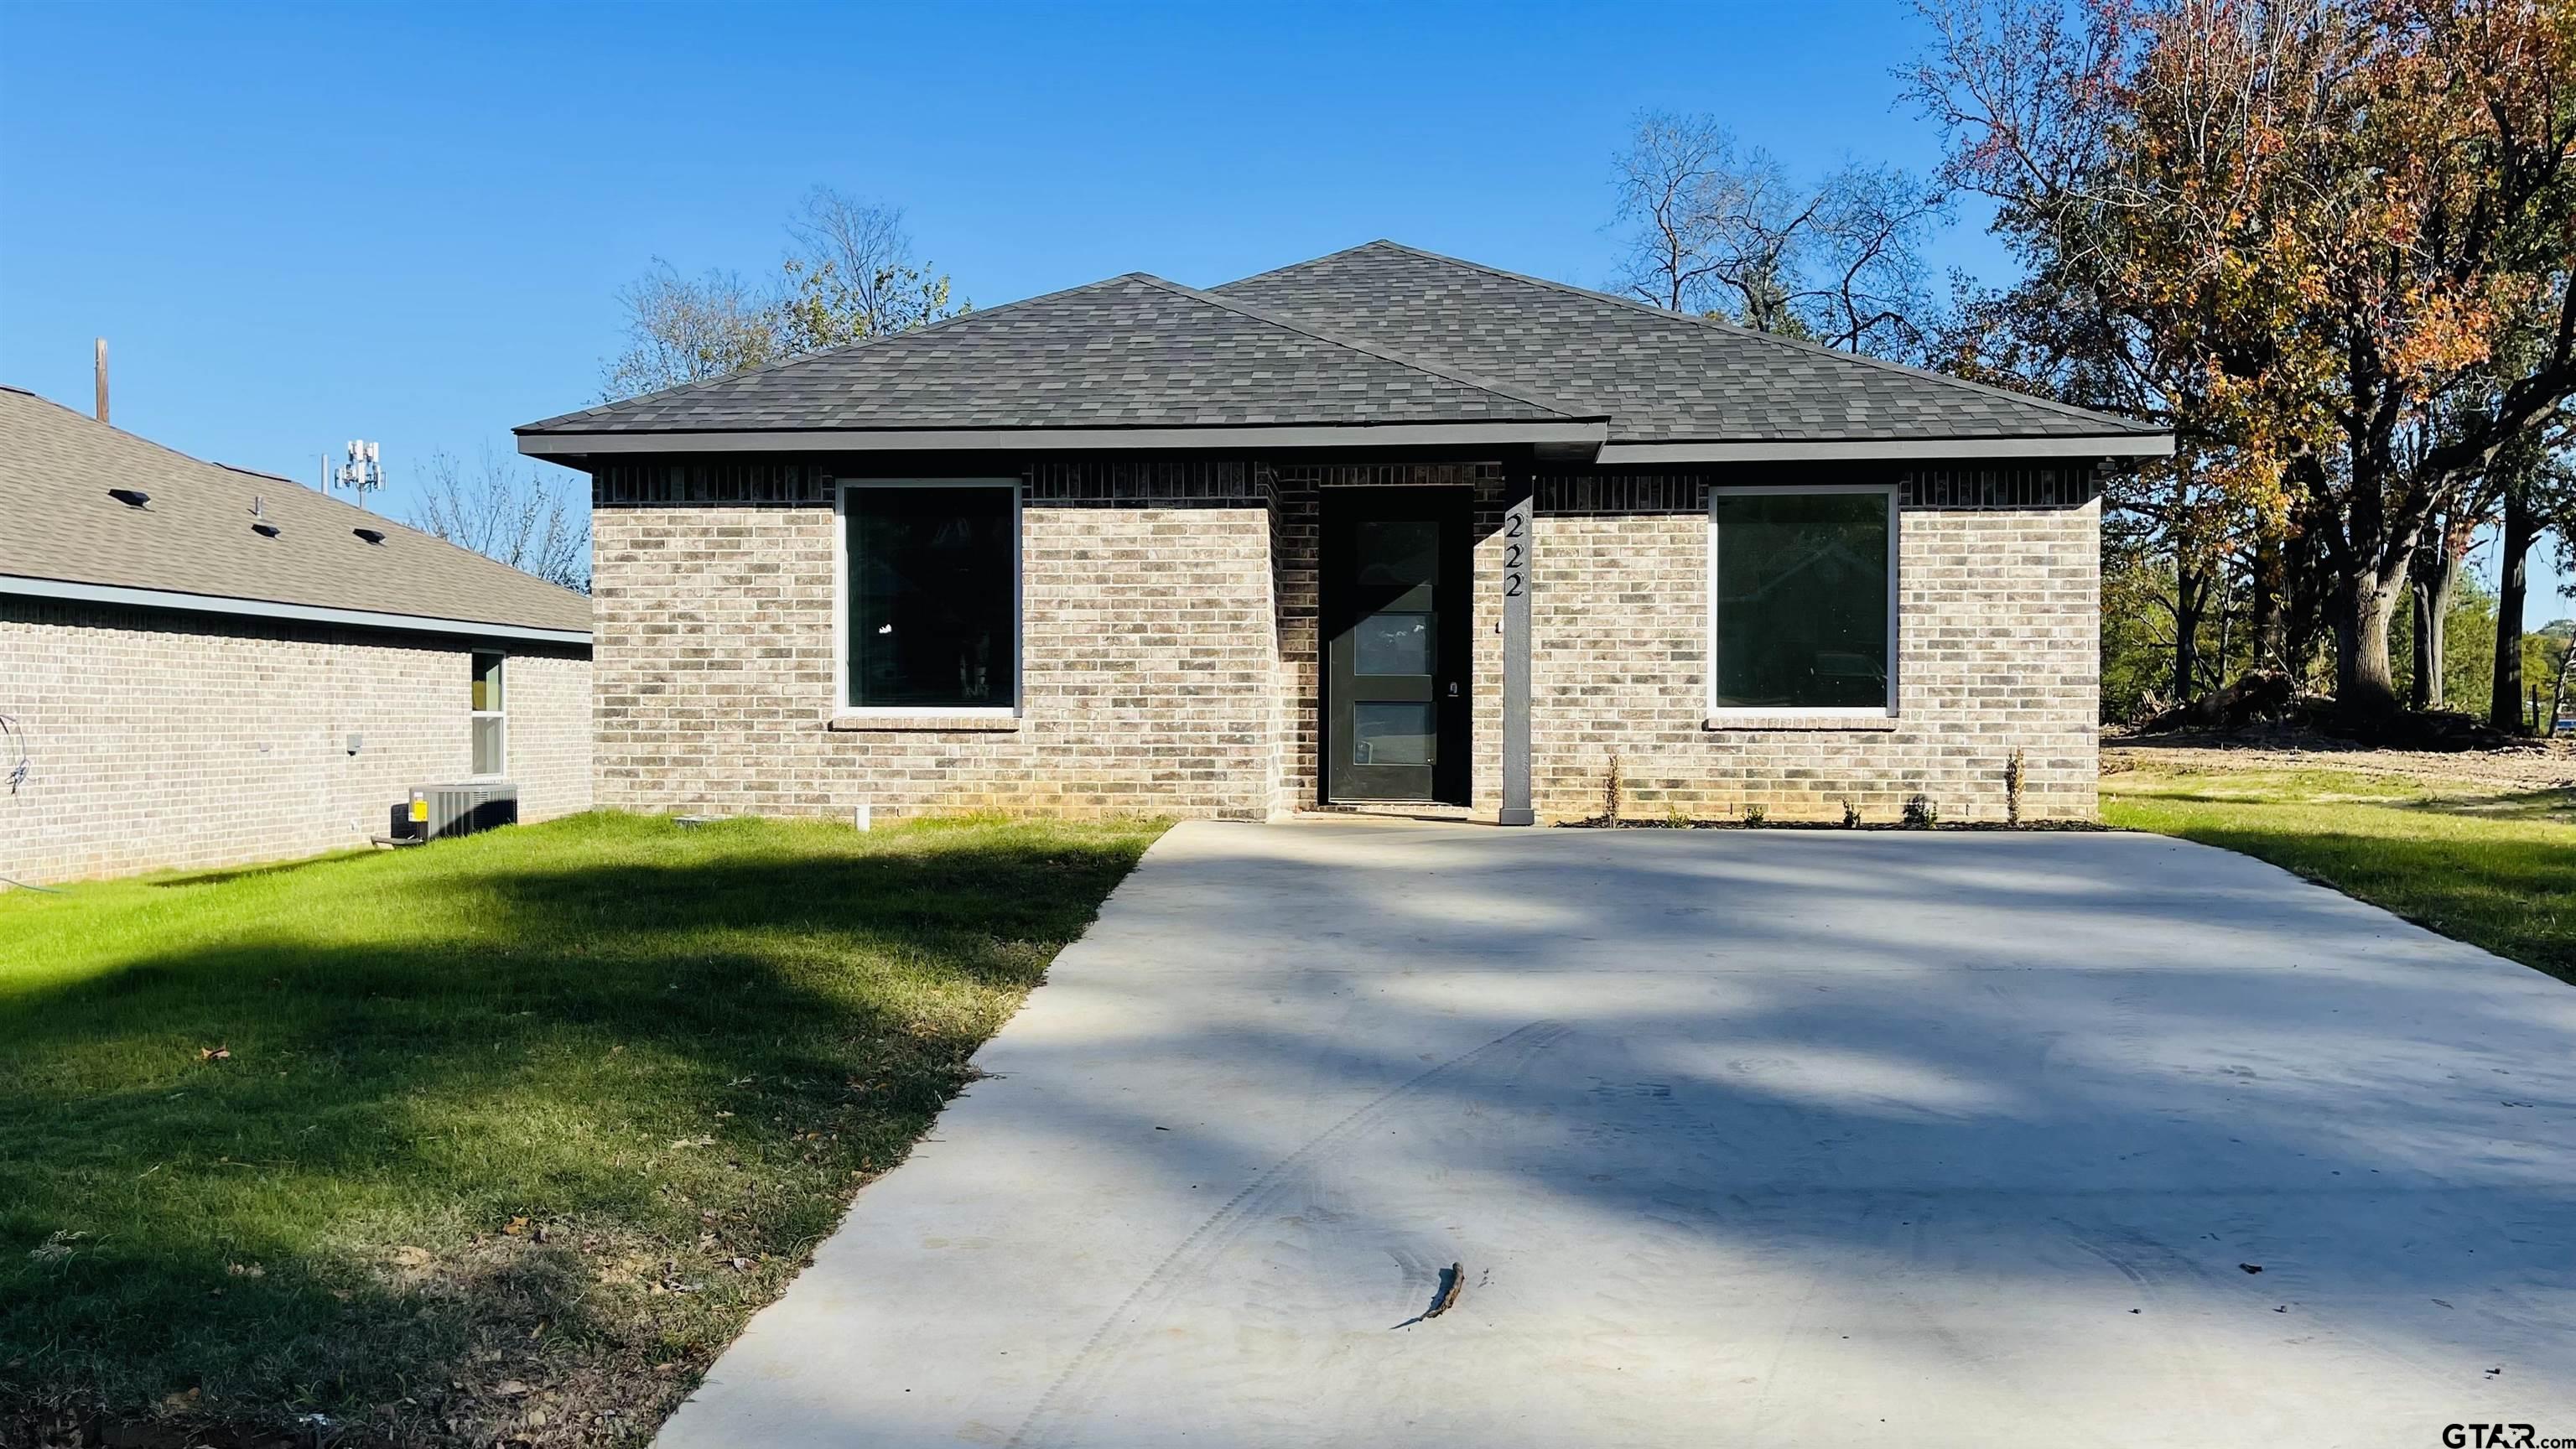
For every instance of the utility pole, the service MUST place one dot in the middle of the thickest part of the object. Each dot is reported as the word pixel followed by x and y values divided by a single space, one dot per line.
pixel 101 372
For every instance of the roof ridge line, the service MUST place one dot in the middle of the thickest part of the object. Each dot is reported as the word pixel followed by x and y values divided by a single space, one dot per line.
pixel 342 506
pixel 1366 349
pixel 864 342
pixel 1326 257
pixel 1753 334
pixel 138 437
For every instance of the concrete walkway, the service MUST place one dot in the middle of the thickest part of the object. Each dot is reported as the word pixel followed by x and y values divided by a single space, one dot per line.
pixel 1738 1137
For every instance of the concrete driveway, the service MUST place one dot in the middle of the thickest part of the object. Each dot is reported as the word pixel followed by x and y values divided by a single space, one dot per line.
pixel 1737 1137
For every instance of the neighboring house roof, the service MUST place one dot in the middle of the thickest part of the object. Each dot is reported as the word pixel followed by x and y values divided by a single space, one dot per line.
pixel 193 545
pixel 1378 344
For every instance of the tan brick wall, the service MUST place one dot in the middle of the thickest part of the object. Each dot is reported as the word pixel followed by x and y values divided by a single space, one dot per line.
pixel 1149 669
pixel 1170 652
pixel 1996 652
pixel 170 740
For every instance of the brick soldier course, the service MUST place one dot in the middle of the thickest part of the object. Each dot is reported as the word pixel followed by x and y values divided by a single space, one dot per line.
pixel 1175 455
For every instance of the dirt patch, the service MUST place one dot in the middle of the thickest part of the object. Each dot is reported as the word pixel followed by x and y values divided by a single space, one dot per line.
pixel 2539 765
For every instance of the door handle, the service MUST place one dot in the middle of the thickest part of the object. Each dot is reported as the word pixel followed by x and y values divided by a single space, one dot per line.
pixel 1453 689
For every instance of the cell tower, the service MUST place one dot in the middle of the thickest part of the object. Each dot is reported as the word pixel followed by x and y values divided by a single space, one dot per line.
pixel 360 473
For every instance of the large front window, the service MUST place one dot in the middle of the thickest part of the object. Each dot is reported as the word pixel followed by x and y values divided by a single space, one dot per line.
pixel 1802 593
pixel 932 595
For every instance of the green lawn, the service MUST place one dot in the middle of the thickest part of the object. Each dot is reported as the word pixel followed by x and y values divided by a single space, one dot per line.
pixel 2495 870
pixel 486 1139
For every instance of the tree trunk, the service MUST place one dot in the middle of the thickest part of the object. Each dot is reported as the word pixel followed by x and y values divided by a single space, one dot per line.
pixel 2435 575
pixel 2269 642
pixel 2365 602
pixel 2558 691
pixel 2191 591
pixel 2505 702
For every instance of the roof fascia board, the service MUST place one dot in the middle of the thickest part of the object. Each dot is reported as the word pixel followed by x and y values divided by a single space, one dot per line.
pixel 1781 450
pixel 1047 440
pixel 75 592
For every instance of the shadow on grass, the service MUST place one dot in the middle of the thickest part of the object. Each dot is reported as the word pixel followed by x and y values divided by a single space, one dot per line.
pixel 503 1129
pixel 2552 806
pixel 254 872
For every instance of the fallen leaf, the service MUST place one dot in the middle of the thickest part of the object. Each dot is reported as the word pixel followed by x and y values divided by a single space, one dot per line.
pixel 516 1227
pixel 214 1054
pixel 693 1142
pixel 411 1257
pixel 509 1388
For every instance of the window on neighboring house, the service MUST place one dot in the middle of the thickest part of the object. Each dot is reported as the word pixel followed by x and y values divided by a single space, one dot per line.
pixel 491 725
pixel 1802 590
pixel 930 596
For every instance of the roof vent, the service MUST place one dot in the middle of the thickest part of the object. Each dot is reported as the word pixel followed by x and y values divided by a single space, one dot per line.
pixel 266 530
pixel 259 523
pixel 375 536
pixel 130 497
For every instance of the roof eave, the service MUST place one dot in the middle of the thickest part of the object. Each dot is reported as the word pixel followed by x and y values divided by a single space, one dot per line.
pixel 78 591
pixel 1780 450
pixel 1587 433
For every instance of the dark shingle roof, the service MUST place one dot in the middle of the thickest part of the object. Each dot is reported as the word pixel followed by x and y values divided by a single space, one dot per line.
pixel 57 522
pixel 1131 352
pixel 1379 334
pixel 1661 376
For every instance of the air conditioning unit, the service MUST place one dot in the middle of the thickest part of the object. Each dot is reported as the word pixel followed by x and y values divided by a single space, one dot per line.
pixel 435 812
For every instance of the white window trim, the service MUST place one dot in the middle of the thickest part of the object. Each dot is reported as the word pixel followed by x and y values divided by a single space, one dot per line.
pixel 474 661
pixel 1721 713
pixel 842 708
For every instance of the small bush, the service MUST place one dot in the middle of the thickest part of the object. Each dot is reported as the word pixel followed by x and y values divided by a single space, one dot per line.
pixel 1921 813
pixel 1675 819
pixel 1851 815
pixel 1755 814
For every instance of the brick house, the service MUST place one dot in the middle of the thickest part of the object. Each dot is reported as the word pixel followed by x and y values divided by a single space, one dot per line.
pixel 1383 528
pixel 201 666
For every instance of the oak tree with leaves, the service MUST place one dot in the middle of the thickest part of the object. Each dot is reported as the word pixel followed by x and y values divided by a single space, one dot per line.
pixel 2332 219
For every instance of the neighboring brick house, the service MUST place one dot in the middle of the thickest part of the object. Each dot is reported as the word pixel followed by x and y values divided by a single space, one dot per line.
pixel 201 666
pixel 1383 527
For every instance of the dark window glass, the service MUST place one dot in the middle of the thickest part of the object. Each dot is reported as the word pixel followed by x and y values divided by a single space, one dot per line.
pixel 1802 589
pixel 933 612
pixel 1392 734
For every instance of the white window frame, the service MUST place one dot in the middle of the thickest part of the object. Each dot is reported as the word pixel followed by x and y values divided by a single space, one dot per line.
pixel 474 662
pixel 842 707
pixel 1894 595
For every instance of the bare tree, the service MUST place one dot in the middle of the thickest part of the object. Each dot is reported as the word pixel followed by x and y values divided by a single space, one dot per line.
pixel 518 516
pixel 849 276
pixel 682 329
pixel 854 276
pixel 1720 228
pixel 1867 288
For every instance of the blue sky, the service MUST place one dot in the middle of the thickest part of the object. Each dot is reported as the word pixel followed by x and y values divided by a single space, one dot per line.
pixel 300 224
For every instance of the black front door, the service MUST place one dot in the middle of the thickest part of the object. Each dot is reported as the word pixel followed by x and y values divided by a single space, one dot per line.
pixel 1396 564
